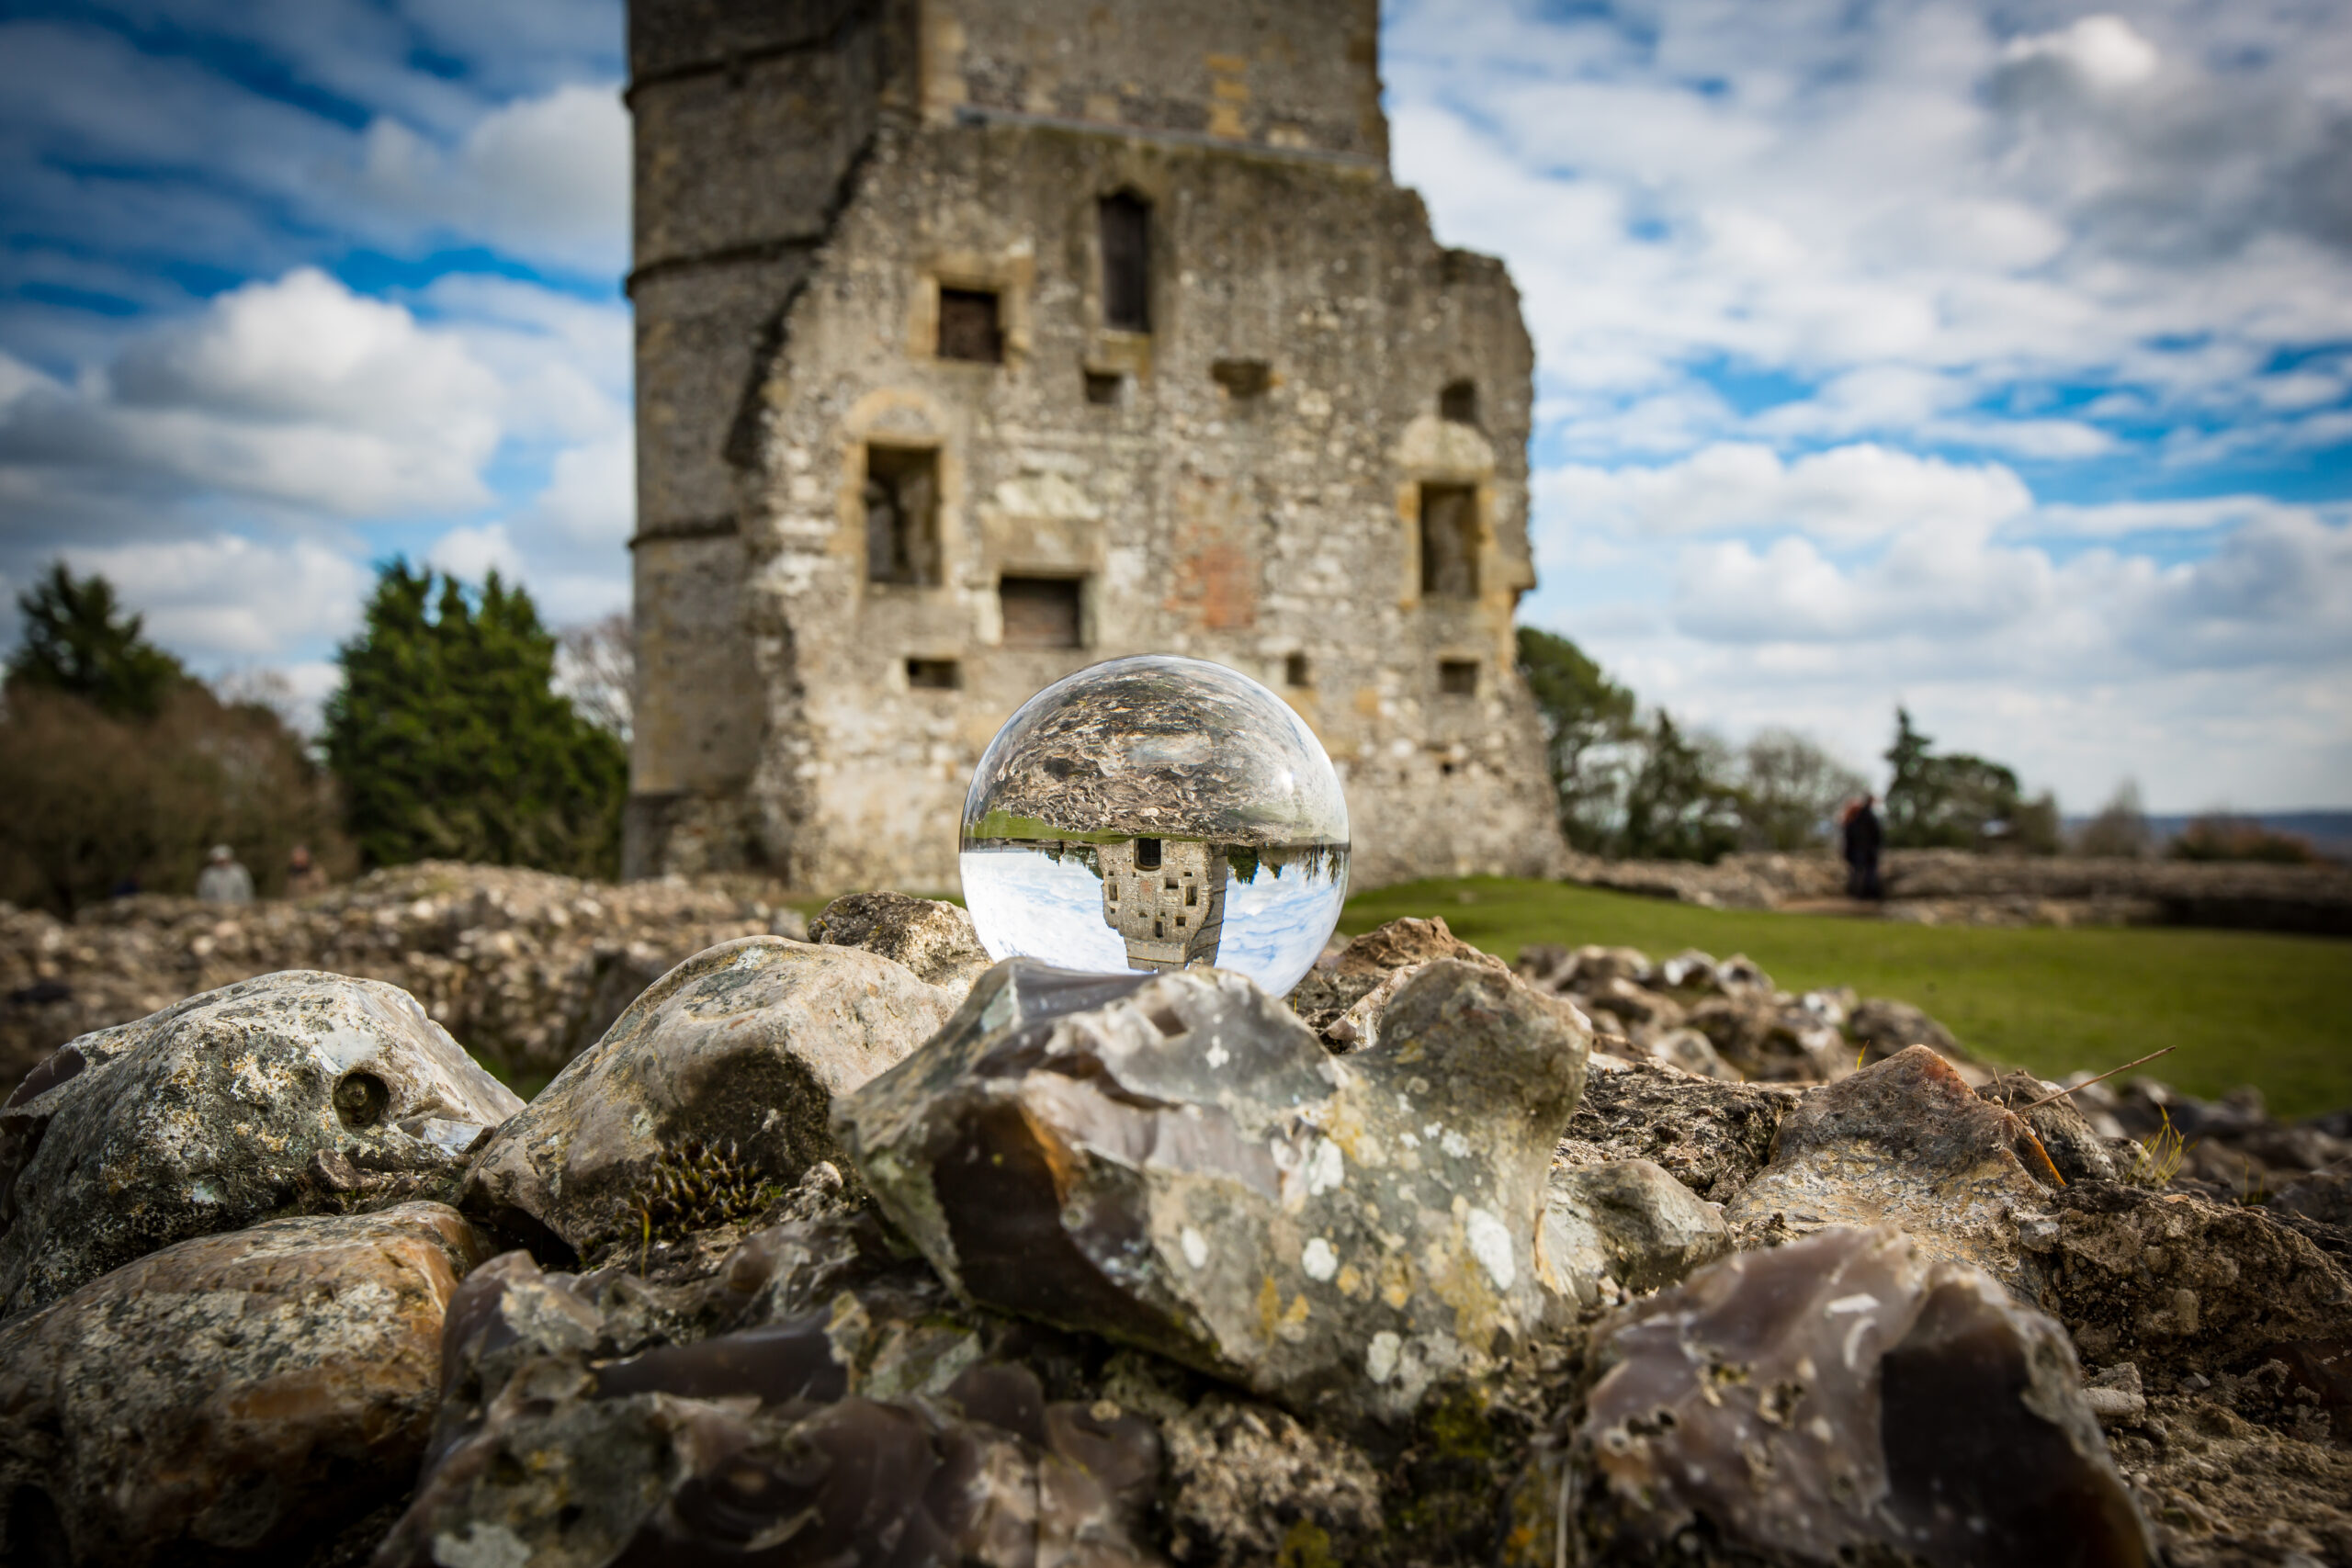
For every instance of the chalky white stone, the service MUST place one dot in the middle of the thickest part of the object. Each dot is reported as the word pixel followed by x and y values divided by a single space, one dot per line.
pixel 1152 813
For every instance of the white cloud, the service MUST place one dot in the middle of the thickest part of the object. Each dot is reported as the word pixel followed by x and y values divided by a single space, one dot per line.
pixel 474 553
pixel 545 177
pixel 226 600
pixel 1848 493
pixel 295 391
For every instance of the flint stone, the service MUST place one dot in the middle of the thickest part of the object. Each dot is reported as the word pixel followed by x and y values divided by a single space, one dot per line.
pixel 1628 1223
pixel 748 1042
pixel 1847 1395
pixel 1249 1484
pixel 930 936
pixel 1905 1142
pixel 223 1108
pixel 1336 1000
pixel 1174 1161
pixel 2180 1284
pixel 1712 1138
pixel 1693 1054
pixel 2074 1147
pixel 251 1394
pixel 839 1436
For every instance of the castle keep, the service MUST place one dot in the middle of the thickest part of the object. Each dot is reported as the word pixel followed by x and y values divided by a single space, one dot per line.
pixel 978 341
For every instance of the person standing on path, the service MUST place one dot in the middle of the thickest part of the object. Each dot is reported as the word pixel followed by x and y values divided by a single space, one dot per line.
pixel 223 881
pixel 1864 834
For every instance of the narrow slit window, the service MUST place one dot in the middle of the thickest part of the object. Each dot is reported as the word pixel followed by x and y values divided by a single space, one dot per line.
pixel 1192 894
pixel 1126 263
pixel 1449 541
pixel 1458 677
pixel 1039 612
pixel 934 674
pixel 1294 670
pixel 969 328
pixel 902 496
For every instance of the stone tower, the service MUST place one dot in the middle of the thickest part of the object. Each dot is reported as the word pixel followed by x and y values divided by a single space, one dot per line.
pixel 1166 899
pixel 978 341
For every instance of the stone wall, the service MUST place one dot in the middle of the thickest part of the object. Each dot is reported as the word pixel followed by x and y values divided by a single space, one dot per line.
pixel 1241 481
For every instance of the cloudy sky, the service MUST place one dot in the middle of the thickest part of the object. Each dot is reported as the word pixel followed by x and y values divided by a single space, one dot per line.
pixel 1996 358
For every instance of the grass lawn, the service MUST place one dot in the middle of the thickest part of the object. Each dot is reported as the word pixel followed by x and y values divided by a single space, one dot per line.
pixel 2242 1007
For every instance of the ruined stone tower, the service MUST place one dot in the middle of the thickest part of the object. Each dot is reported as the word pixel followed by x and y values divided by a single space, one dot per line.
pixel 978 341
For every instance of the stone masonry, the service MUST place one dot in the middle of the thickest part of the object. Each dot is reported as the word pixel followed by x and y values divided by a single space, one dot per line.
pixel 980 341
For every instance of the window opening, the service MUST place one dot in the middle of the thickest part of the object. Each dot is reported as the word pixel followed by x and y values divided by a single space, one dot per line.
pixel 1458 404
pixel 1295 669
pixel 1449 541
pixel 1126 263
pixel 901 497
pixel 1458 677
pixel 1039 612
pixel 969 327
pixel 1103 388
pixel 1147 855
pixel 934 675
pixel 1242 378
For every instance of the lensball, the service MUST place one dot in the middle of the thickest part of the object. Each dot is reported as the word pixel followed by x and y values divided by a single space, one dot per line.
pixel 1155 812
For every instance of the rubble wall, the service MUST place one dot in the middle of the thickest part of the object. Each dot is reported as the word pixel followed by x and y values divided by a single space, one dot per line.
pixel 1241 482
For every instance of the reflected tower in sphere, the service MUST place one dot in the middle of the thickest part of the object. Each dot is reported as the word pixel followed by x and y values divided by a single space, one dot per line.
pixel 1166 899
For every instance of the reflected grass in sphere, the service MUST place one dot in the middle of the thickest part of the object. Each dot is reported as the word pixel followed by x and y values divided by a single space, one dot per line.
pixel 1154 812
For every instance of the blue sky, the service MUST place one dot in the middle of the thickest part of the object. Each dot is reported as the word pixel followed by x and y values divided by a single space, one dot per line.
pixel 1996 358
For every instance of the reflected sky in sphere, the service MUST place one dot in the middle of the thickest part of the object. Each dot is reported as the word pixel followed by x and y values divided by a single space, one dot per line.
pixel 1027 903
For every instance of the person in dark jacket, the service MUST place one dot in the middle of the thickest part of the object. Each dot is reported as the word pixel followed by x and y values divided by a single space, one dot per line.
pixel 1864 833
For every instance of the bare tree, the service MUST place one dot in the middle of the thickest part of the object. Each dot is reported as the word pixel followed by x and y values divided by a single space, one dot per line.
pixel 1790 790
pixel 2120 830
pixel 597 667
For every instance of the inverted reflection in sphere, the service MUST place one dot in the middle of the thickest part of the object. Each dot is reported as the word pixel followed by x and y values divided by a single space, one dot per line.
pixel 1154 812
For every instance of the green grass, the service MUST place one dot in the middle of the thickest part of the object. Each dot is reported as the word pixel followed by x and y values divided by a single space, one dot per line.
pixel 2242 1007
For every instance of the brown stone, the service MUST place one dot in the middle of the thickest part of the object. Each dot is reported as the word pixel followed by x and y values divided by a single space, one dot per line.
pixel 244 1397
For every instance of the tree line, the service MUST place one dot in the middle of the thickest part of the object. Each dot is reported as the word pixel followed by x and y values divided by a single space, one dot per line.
pixel 1635 784
pixel 449 735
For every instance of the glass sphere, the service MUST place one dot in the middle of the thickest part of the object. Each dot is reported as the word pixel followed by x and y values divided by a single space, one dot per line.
pixel 1155 812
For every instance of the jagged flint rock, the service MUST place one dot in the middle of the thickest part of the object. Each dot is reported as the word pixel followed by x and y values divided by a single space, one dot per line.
pixel 1152 813
pixel 1173 1160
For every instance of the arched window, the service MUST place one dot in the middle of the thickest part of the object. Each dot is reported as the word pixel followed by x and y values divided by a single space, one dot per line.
pixel 1126 263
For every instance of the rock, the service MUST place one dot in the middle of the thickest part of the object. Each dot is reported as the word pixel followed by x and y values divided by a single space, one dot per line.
pixel 246 1396
pixel 1628 1223
pixel 1847 1395
pixel 1904 1143
pixel 930 936
pixel 1173 1161
pixel 2326 1196
pixel 296 1092
pixel 1712 1138
pixel 2073 1146
pixel 1336 1000
pixel 2181 1284
pixel 1692 1053
pixel 745 1046
pixel 525 968
pixel 1246 1483
pixel 1884 1027
pixel 2115 1396
pixel 593 1419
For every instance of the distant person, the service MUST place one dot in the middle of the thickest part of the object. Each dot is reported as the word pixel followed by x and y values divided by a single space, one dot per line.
pixel 303 876
pixel 223 881
pixel 1864 833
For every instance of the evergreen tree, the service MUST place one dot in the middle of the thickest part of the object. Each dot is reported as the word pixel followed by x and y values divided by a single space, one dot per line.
pixel 1949 802
pixel 1679 807
pixel 79 641
pixel 451 741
